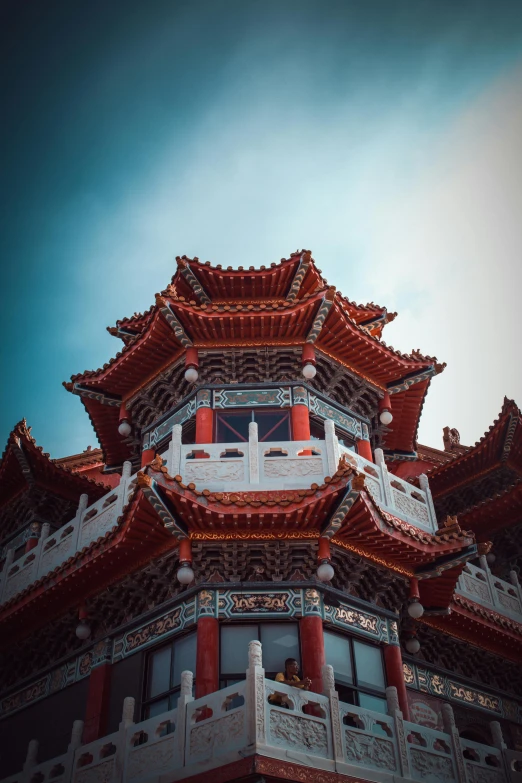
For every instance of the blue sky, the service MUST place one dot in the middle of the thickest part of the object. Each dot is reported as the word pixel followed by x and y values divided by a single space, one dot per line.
pixel 385 136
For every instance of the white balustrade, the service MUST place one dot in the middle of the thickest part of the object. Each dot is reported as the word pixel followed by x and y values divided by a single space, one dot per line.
pixel 483 763
pixel 89 524
pixel 268 718
pixel 482 587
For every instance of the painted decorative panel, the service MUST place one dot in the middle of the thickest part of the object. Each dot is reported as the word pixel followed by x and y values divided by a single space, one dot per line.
pixel 252 398
pixel 343 420
pixel 284 603
pixel 165 428
pixel 161 628
pixel 367 624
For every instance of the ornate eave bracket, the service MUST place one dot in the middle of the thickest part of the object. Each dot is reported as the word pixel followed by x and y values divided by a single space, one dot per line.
pixel 175 325
pixel 414 378
pixel 336 521
pixel 320 318
pixel 168 517
pixel 190 278
pixel 302 269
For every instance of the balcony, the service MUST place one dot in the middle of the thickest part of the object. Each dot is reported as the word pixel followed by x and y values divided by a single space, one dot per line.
pixel 257 725
pixel 251 465
pixel 482 587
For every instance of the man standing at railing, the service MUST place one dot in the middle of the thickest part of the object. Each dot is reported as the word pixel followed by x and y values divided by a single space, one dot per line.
pixel 290 676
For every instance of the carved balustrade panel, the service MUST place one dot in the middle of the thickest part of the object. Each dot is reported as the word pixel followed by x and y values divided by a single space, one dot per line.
pixel 289 727
pixel 152 747
pixel 430 754
pixel 368 739
pixel 216 725
pixel 484 763
pixel 96 761
pixel 21 578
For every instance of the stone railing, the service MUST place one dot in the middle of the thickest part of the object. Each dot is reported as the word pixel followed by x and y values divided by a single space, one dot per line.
pixel 89 524
pixel 263 718
pixel 482 587
pixel 400 498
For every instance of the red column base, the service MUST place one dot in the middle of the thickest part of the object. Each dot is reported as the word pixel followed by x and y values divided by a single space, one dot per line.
pixel 147 456
pixel 364 448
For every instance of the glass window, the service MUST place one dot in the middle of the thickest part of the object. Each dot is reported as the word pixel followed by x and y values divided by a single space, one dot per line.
pixel 164 667
pixel 372 703
pixel 338 655
pixel 368 663
pixel 280 641
pixel 232 426
pixel 234 647
pixel 159 671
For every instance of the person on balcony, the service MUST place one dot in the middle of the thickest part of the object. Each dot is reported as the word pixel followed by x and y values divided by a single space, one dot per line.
pixel 290 676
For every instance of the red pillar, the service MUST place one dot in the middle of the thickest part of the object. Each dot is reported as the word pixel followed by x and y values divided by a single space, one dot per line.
pixel 365 450
pixel 96 712
pixel 300 422
pixel 31 542
pixel 312 650
pixel 207 656
pixel 395 676
pixel 147 455
pixel 204 421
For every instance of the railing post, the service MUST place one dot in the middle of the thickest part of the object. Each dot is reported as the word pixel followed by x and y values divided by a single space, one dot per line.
pixel 174 464
pixel 76 735
pixel 31 758
pixel 253 453
pixel 332 446
pixel 122 488
pixel 513 578
pixel 255 693
pixel 490 579
pixel 385 477
pixel 127 721
pixel 425 486
pixel 9 557
pixel 448 722
pixel 82 505
pixel 185 696
pixel 46 529
pixel 335 715
pixel 394 711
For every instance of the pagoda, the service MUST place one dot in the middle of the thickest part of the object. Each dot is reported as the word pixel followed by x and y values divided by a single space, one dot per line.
pixel 259 495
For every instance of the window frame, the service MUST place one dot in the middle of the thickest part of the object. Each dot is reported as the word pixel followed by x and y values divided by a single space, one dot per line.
pixel 173 690
pixel 222 413
pixel 229 679
pixel 355 688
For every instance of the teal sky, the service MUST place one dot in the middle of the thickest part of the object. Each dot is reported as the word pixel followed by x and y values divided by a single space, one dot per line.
pixel 385 136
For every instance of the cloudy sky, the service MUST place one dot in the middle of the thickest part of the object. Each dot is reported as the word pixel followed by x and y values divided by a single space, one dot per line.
pixel 385 136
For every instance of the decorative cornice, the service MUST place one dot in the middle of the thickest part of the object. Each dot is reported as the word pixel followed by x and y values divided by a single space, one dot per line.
pixel 189 277
pixel 175 325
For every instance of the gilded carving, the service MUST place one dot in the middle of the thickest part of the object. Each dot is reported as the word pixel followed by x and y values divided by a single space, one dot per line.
pixel 351 617
pixel 153 630
pixel 259 603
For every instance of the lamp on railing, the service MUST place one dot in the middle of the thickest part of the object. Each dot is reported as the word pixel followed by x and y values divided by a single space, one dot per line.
pixel 385 414
pixel 415 608
pixel 325 571
pixel 83 629
pixel 125 427
pixel 185 574
pixel 308 360
pixel 191 365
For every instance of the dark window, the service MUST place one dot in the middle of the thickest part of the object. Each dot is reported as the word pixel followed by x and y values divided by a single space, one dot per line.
pixel 163 674
pixel 358 669
pixel 272 425
pixel 280 641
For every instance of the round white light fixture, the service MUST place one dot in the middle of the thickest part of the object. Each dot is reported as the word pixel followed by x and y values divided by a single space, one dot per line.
pixel 325 572
pixel 386 418
pixel 83 630
pixel 415 609
pixel 412 645
pixel 125 428
pixel 185 575
pixel 191 375
pixel 309 371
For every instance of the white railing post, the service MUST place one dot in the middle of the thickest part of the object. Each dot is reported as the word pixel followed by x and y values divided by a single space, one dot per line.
pixel 387 495
pixel 31 758
pixel 253 453
pixel 424 484
pixel 490 580
pixel 9 557
pixel 332 446
pixel 122 487
pixel 46 529
pixel 448 722
pixel 127 721
pixel 513 578
pixel 174 463
pixel 335 714
pixel 185 696
pixel 394 711
pixel 82 505
pixel 255 696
